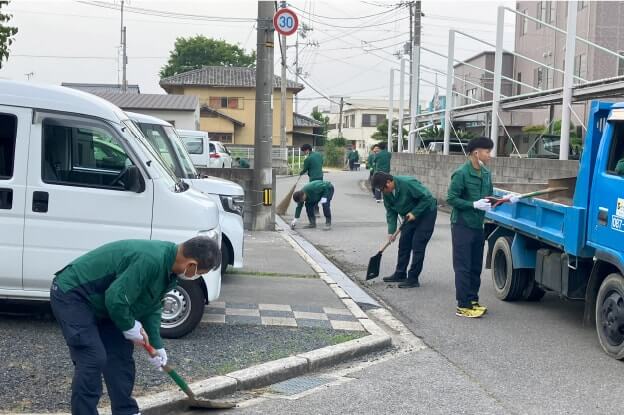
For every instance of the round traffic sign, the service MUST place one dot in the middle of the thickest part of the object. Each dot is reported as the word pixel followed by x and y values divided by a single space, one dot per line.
pixel 285 21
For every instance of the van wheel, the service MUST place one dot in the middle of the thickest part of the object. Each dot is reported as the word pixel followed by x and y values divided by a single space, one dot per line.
pixel 225 258
pixel 183 308
pixel 610 316
pixel 509 283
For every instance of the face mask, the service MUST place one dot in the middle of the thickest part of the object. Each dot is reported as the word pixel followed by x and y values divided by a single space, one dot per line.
pixel 184 277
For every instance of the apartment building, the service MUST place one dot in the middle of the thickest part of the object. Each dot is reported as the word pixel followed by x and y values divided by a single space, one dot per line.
pixel 601 22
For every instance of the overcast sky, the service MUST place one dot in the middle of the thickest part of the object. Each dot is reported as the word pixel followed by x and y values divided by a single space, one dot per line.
pixel 73 41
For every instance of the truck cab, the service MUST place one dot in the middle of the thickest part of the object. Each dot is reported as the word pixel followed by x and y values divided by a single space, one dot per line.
pixel 74 175
pixel 227 195
pixel 572 245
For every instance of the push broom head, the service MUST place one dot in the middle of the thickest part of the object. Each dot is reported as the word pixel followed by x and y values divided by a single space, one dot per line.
pixel 285 203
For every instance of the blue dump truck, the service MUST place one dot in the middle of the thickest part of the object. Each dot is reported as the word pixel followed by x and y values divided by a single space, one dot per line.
pixel 572 245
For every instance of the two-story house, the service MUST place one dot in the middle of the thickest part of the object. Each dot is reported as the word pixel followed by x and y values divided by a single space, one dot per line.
pixel 227 100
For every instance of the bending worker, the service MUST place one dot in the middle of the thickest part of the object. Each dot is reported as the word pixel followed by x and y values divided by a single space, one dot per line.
pixel 311 194
pixel 470 185
pixel 407 197
pixel 111 298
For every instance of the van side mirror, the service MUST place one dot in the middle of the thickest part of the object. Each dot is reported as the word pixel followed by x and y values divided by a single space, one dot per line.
pixel 133 180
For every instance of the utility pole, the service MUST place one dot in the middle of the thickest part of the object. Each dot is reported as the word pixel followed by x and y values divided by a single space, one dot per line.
pixel 411 46
pixel 283 84
pixel 297 69
pixel 124 58
pixel 498 69
pixel 390 109
pixel 416 66
pixel 340 118
pixel 401 105
pixel 568 81
pixel 261 194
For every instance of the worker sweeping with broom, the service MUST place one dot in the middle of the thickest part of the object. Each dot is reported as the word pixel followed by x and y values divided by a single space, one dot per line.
pixel 111 298
pixel 311 194
pixel 407 197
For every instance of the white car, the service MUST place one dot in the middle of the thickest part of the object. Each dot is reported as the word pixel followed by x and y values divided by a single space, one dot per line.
pixel 229 196
pixel 205 152
pixel 76 173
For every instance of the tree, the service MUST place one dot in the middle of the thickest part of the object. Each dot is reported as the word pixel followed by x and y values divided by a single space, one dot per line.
pixel 324 120
pixel 6 33
pixel 382 134
pixel 195 52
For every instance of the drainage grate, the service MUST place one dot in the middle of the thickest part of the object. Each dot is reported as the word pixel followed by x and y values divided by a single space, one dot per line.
pixel 298 385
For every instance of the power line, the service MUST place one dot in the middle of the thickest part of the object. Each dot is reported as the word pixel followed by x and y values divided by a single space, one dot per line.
pixel 346 18
pixel 162 13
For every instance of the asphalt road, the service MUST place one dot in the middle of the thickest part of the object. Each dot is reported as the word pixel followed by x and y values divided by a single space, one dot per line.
pixel 526 357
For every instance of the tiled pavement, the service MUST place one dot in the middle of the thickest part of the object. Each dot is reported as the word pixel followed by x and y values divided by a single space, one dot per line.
pixel 336 318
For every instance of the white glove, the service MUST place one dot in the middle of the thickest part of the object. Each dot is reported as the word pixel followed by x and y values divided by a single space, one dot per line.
pixel 159 361
pixel 134 334
pixel 512 199
pixel 323 200
pixel 293 223
pixel 483 205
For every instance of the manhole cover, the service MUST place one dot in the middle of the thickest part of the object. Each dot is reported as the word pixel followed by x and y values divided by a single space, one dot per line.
pixel 298 385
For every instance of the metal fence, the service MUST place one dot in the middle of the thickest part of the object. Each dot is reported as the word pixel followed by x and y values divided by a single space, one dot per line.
pixel 291 156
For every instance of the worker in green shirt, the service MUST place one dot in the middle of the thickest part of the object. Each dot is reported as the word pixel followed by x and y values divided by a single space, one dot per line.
pixel 382 163
pixel 370 165
pixel 407 197
pixel 353 158
pixel 619 168
pixel 242 163
pixel 111 298
pixel 313 163
pixel 470 184
pixel 311 194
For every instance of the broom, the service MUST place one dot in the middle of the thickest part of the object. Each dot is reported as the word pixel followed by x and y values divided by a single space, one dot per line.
pixel 283 205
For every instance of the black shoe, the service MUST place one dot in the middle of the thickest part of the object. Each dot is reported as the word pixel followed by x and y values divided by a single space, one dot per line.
pixel 394 278
pixel 310 226
pixel 409 283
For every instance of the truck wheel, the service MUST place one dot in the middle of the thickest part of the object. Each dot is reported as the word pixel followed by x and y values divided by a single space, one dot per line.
pixel 610 316
pixel 531 291
pixel 183 308
pixel 508 283
pixel 225 258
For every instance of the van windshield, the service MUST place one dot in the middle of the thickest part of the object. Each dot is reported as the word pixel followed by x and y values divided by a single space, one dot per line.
pixel 186 164
pixel 135 133
pixel 162 139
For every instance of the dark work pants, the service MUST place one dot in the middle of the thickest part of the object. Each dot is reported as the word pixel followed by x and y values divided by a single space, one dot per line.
pixel 351 164
pixel 467 262
pixel 414 238
pixel 326 208
pixel 370 180
pixel 97 347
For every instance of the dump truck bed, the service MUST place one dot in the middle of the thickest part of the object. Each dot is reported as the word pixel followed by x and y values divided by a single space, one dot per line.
pixel 561 225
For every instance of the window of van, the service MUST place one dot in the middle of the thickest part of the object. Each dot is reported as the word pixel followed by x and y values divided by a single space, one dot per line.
pixel 616 154
pixel 155 135
pixel 78 153
pixel 194 145
pixel 8 135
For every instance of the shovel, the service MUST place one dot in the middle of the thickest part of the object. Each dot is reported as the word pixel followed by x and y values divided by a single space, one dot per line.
pixel 192 401
pixel 496 201
pixel 374 263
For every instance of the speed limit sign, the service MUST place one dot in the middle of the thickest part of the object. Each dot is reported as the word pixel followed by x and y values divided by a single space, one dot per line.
pixel 285 21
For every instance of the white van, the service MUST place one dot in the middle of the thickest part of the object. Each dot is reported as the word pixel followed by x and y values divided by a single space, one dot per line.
pixel 75 173
pixel 204 151
pixel 227 195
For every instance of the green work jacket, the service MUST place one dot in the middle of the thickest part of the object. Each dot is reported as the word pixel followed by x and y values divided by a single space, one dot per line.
pixel 409 195
pixel 467 186
pixel 370 162
pixel 382 161
pixel 313 165
pixel 314 192
pixel 354 156
pixel 124 281
pixel 619 168
pixel 243 164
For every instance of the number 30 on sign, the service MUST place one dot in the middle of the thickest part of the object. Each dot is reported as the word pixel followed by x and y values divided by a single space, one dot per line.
pixel 285 21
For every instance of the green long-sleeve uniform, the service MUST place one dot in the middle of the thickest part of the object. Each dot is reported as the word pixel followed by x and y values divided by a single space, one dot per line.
pixel 467 186
pixel 409 195
pixel 313 165
pixel 243 163
pixel 124 281
pixel 382 161
pixel 370 162
pixel 354 156
pixel 619 168
pixel 314 192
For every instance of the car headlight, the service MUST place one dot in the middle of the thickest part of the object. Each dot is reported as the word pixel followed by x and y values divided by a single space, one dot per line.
pixel 233 204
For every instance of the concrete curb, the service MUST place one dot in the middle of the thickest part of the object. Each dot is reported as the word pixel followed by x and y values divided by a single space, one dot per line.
pixel 278 370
